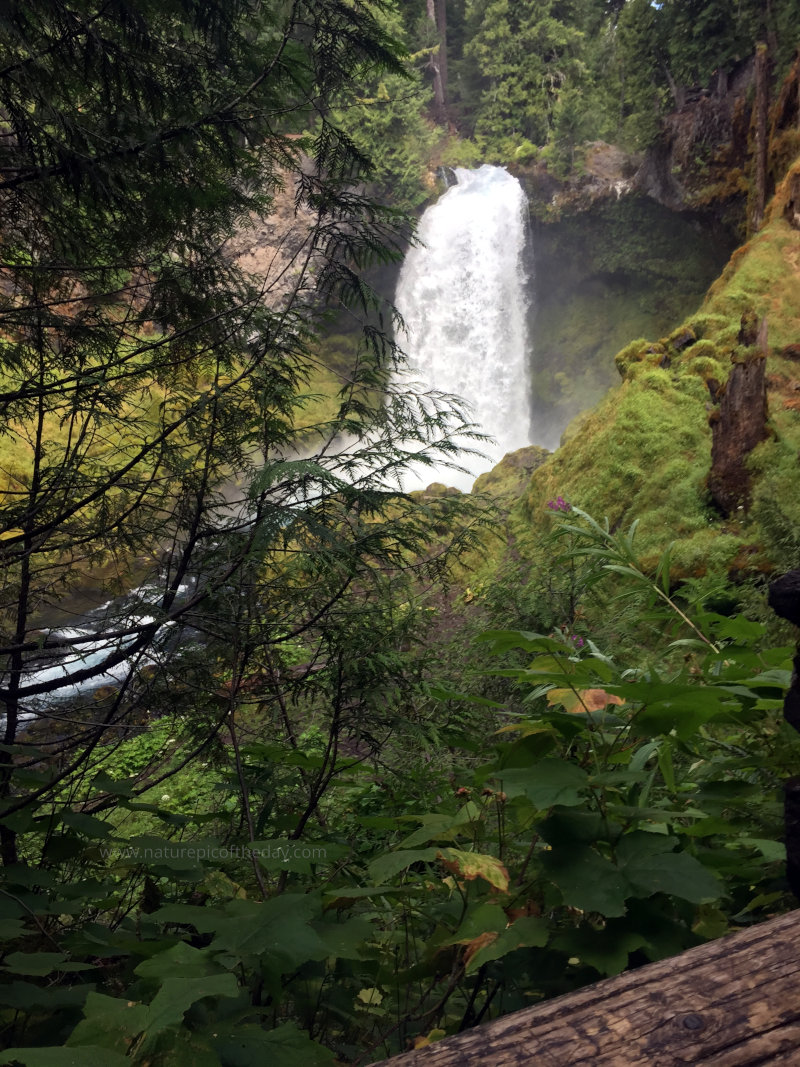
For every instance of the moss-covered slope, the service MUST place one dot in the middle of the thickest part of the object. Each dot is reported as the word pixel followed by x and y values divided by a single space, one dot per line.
pixel 645 451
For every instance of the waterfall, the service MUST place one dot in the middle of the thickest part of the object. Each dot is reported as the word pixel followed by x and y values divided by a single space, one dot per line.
pixel 463 297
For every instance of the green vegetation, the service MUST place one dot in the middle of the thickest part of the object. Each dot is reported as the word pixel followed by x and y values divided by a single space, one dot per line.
pixel 353 770
pixel 524 82
pixel 432 889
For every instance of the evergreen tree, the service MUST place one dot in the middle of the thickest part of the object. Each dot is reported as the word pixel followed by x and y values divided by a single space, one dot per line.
pixel 142 372
pixel 526 55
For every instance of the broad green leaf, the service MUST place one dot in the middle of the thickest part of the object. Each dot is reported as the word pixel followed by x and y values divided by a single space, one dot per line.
pixel 87 825
pixel 668 706
pixel 285 1046
pixel 177 995
pixel 736 628
pixel 348 940
pixel 339 897
pixel 547 783
pixel 34 963
pixel 587 880
pixel 86 1056
pixel 436 828
pixel 109 1023
pixel 772 851
pixel 526 932
pixel 503 640
pixel 277 929
pixel 179 961
pixel 711 922
pixel 103 782
pixel 574 826
pixel 651 867
pixel 641 845
pixel 387 866
pixel 10 929
pixel 780 679
pixel 605 949
pixel 479 919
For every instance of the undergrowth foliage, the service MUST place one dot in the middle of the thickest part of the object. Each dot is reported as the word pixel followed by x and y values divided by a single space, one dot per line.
pixel 330 897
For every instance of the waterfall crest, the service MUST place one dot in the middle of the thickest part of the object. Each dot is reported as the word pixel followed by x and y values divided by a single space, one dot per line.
pixel 463 297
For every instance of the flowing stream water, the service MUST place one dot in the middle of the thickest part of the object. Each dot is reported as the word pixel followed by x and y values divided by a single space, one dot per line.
pixel 463 296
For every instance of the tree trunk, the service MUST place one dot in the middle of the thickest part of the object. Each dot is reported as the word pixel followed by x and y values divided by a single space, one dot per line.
pixel 678 91
pixel 437 14
pixel 762 107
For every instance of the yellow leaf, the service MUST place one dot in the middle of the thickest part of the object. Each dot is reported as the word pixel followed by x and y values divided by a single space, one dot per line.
pixel 370 996
pixel 471 865
pixel 428 1039
pixel 527 728
pixel 582 700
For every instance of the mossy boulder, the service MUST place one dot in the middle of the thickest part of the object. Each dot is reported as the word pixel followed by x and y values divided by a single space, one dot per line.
pixel 508 479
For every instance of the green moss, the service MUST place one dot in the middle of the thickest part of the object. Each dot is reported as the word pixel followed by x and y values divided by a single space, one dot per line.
pixel 682 338
pixel 632 353
pixel 776 501
pixel 763 276
pixel 331 369
pixel 700 352
pixel 642 453
pixel 706 325
pixel 508 479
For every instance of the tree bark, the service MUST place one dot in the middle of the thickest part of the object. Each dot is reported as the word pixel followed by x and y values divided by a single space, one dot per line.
pixel 730 1003
pixel 437 14
pixel 762 107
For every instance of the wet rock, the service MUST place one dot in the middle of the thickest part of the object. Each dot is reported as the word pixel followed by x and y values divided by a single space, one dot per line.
pixel 682 338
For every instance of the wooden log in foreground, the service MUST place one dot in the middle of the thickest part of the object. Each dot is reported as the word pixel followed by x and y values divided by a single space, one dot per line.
pixel 732 1003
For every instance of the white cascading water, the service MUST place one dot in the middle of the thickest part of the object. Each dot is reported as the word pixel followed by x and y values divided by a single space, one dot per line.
pixel 462 295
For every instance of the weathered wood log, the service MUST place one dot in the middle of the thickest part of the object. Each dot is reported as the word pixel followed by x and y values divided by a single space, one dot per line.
pixel 734 1002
